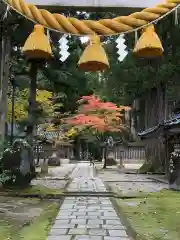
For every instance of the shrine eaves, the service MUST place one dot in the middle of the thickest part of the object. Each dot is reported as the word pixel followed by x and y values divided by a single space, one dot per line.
pixel 97 3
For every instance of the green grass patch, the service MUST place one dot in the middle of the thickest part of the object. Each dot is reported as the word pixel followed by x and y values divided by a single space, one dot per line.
pixel 39 228
pixel 33 190
pixel 36 229
pixel 156 217
pixel 6 230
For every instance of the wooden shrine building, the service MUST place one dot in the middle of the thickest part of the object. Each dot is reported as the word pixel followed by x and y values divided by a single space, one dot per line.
pixel 168 132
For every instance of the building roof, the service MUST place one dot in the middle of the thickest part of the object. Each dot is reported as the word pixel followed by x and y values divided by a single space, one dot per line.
pixel 173 121
pixel 166 124
pixel 148 131
pixel 63 143
pixel 50 134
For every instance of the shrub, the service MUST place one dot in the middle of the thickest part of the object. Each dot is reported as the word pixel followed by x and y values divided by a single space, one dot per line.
pixel 174 167
pixel 17 166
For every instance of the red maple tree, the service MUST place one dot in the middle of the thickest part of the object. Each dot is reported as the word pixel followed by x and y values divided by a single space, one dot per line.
pixel 98 117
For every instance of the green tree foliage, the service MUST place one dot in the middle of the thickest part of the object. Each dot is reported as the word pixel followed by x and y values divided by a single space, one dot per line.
pixel 132 78
pixel 44 106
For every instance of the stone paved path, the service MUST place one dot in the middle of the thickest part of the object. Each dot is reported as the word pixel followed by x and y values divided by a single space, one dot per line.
pixel 87 218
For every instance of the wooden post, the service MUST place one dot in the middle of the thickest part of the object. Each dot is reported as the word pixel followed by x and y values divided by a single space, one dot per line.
pixel 121 159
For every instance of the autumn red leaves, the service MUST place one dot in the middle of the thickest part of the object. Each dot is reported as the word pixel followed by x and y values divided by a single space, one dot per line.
pixel 94 114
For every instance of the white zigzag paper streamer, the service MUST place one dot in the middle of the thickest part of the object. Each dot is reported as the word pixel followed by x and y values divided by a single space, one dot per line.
pixel 63 47
pixel 121 46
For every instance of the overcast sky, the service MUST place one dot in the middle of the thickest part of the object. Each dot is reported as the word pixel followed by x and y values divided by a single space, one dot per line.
pixel 105 3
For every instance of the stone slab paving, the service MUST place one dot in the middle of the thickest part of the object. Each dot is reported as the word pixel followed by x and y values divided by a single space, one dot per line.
pixel 87 218
pixel 85 184
pixel 83 180
pixel 82 169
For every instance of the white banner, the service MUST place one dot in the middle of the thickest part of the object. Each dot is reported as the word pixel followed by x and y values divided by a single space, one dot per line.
pixel 97 3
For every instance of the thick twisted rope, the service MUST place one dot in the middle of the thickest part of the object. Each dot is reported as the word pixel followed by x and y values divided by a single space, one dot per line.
pixel 70 25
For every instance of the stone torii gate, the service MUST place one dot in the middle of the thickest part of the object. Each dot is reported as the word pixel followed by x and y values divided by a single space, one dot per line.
pixel 120 6
pixel 4 73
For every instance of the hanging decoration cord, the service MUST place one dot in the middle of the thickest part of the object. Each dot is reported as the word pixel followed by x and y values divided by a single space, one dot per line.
pixel 176 17
pixel 106 27
pixel 135 36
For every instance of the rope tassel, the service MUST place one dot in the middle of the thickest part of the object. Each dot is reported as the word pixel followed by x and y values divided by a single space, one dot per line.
pixel 94 57
pixel 149 45
pixel 176 17
pixel 37 45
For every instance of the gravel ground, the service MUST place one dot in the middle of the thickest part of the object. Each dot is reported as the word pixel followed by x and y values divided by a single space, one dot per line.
pixel 129 183
pixel 57 177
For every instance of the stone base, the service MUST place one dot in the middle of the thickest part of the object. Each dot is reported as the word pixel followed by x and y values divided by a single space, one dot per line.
pixel 111 162
pixel 54 162
pixel 174 186
pixel 121 166
pixel 44 167
pixel 174 180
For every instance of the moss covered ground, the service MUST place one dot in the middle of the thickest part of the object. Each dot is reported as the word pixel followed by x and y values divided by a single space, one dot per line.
pixel 155 216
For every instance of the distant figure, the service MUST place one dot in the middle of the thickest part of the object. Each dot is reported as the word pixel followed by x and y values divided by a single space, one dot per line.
pixel 91 162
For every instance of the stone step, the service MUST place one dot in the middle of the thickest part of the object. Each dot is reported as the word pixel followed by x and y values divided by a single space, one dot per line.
pixel 87 193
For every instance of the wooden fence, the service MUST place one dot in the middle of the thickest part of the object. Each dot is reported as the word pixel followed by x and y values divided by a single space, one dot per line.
pixel 42 152
pixel 130 154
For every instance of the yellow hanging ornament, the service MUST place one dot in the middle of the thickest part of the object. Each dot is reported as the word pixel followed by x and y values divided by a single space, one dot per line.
pixel 149 45
pixel 37 45
pixel 94 57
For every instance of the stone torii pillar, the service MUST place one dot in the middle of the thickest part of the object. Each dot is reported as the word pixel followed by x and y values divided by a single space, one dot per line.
pixel 5 49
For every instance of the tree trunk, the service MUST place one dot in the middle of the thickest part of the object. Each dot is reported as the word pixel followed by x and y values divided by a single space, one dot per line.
pixel 133 123
pixel 155 113
pixel 105 157
pixel 12 112
pixel 32 103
